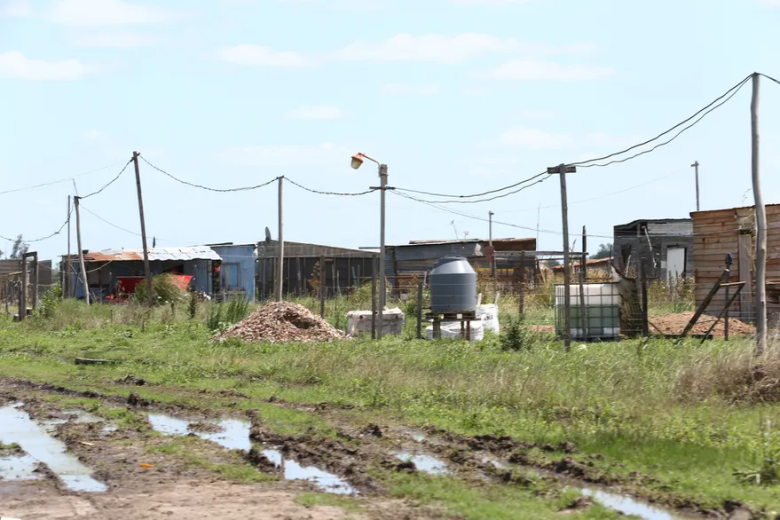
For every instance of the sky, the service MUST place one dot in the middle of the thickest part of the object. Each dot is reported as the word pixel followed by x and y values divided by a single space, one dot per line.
pixel 455 96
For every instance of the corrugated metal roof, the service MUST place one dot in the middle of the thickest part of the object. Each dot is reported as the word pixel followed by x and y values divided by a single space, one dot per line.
pixel 466 241
pixel 157 254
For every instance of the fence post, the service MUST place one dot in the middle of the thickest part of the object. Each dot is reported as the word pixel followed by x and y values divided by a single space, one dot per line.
pixel 419 309
pixel 373 299
pixel 643 282
pixel 322 287
pixel 521 289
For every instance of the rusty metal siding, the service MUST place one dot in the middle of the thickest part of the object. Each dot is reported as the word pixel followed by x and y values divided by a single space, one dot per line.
pixel 718 233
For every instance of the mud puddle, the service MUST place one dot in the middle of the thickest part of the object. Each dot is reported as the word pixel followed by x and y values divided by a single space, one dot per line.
pixel 424 463
pixel 36 441
pixel 18 467
pixel 232 434
pixel 630 506
pixel 322 479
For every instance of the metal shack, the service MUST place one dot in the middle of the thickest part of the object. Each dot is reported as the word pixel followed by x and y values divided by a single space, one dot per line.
pixel 105 267
pixel 239 266
pixel 666 245
pixel 732 231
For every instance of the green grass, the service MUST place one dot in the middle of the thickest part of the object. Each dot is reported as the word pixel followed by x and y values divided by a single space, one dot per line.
pixel 671 412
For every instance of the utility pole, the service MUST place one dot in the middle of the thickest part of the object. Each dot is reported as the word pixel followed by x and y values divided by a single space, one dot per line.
pixel 382 280
pixel 66 280
pixel 147 268
pixel 280 248
pixel 82 268
pixel 696 166
pixel 562 170
pixel 760 226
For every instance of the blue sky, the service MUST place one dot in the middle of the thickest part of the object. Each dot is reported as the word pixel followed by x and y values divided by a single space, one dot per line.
pixel 456 96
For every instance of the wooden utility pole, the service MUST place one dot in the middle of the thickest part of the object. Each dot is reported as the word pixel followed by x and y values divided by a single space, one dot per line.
pixel 66 280
pixel 760 227
pixel 23 292
pixel 584 253
pixel 147 268
pixel 695 165
pixel 36 280
pixel 280 247
pixel 583 307
pixel 490 241
pixel 562 170
pixel 82 268
pixel 322 286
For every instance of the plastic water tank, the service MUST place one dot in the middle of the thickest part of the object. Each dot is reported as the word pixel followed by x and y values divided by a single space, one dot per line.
pixel 453 286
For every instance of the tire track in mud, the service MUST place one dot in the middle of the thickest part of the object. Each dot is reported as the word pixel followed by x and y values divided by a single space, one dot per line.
pixel 358 454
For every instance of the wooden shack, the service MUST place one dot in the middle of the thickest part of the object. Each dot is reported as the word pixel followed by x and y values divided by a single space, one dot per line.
pixel 724 231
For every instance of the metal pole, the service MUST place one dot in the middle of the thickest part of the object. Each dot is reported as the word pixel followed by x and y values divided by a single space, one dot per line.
pixel 760 226
pixel 82 268
pixel 382 281
pixel 322 286
pixel 419 309
pixel 373 298
pixel 147 268
pixel 695 165
pixel 36 280
pixel 490 241
pixel 280 249
pixel 23 293
pixel 729 261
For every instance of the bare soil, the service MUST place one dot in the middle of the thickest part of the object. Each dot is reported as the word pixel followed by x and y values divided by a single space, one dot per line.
pixel 675 324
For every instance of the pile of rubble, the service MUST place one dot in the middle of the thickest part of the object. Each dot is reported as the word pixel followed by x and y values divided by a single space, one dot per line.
pixel 282 322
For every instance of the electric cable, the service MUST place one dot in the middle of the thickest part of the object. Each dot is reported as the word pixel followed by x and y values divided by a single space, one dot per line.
pixel 218 190
pixel 487 199
pixel 109 183
pixel 430 194
pixel 60 181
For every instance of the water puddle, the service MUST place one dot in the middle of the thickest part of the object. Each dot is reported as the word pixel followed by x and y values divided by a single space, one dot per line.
pixel 16 468
pixel 494 462
pixel 322 479
pixel 629 506
pixel 424 463
pixel 17 427
pixel 232 434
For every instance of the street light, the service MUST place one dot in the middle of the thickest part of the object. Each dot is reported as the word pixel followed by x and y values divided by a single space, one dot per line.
pixel 357 162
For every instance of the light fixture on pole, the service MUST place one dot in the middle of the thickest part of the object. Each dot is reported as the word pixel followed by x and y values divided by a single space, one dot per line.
pixel 357 162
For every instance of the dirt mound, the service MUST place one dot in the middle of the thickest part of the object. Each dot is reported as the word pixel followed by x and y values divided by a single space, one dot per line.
pixel 282 322
pixel 675 324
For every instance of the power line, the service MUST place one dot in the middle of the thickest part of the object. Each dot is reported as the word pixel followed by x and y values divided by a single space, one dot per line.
pixel 475 194
pixel 109 183
pixel 47 237
pixel 675 127
pixel 107 222
pixel 770 78
pixel 483 200
pixel 659 145
pixel 227 190
pixel 60 181
pixel 356 194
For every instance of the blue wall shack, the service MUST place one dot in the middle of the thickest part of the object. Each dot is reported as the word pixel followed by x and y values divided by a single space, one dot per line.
pixel 239 266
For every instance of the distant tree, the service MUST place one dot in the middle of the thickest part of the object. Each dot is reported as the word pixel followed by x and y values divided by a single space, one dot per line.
pixel 605 251
pixel 19 249
pixel 552 262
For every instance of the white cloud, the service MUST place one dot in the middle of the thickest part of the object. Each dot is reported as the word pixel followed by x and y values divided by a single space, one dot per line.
pixel 315 113
pixel 535 70
pixel 107 12
pixel 115 39
pixel 441 48
pixel 410 89
pixel 259 56
pixel 15 65
pixel 534 139
pixel 325 154
pixel 16 9
pixel 95 136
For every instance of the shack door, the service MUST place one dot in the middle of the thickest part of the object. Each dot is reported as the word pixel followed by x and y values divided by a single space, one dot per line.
pixel 675 264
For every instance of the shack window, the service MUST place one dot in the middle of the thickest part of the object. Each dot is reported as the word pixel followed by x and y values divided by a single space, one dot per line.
pixel 231 278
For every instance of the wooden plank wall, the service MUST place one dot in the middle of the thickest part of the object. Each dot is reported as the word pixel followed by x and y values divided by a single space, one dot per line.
pixel 717 233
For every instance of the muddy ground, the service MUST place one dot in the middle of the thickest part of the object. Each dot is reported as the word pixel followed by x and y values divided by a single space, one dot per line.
pixel 151 476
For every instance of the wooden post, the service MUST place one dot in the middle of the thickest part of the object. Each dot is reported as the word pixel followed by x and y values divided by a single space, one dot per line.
pixel 66 280
pixel 521 288
pixel 23 293
pixel 584 264
pixel 322 287
pixel 729 261
pixel 761 328
pixel 583 308
pixel 419 309
pixel 82 268
pixel 36 280
pixel 280 247
pixel 373 299
pixel 643 281
pixel 147 268
pixel 562 170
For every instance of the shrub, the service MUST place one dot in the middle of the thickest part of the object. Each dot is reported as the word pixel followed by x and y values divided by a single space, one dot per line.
pixel 515 337
pixel 164 290
pixel 50 301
